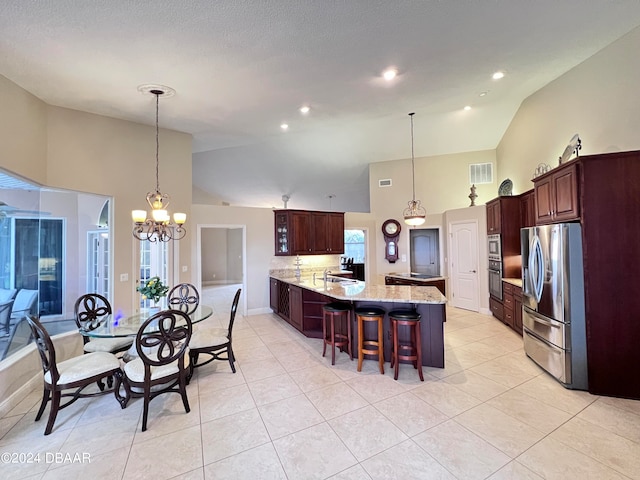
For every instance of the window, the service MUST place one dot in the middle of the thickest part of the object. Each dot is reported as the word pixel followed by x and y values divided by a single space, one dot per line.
pixel 354 245
pixel 154 262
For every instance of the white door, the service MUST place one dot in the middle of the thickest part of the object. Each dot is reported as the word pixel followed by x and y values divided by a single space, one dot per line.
pixel 464 265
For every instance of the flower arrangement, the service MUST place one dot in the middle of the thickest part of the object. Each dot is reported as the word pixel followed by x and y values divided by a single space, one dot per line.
pixel 153 289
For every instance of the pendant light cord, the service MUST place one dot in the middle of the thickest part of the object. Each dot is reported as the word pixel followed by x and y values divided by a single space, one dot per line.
pixel 413 168
pixel 158 145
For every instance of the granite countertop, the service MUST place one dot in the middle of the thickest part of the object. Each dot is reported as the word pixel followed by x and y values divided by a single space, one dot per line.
pixel 513 281
pixel 355 290
pixel 409 276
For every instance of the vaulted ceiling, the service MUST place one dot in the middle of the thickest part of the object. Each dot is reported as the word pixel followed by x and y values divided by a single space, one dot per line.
pixel 241 68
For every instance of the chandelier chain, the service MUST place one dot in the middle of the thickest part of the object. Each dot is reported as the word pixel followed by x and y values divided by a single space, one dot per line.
pixel 158 144
pixel 413 168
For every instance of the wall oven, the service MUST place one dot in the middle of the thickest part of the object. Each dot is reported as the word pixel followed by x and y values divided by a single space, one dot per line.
pixel 495 250
pixel 495 279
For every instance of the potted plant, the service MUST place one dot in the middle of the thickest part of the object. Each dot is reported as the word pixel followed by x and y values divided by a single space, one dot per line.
pixel 153 289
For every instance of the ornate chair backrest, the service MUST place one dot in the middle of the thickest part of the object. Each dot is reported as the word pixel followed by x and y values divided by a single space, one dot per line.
pixel 184 297
pixel 163 338
pixel 45 348
pixel 89 310
pixel 234 308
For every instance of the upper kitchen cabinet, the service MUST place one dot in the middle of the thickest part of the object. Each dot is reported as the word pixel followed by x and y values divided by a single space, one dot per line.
pixel 556 195
pixel 493 216
pixel 503 217
pixel 302 232
pixel 528 209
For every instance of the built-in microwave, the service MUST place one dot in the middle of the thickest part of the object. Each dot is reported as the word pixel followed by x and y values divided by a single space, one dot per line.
pixel 495 251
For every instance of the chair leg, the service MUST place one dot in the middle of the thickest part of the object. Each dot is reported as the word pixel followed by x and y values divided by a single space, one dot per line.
pixel 380 347
pixel 324 333
pixel 333 340
pixel 360 343
pixel 232 359
pixel 419 352
pixel 395 350
pixel 116 390
pixel 100 384
pixel 145 410
pixel 53 413
pixel 46 394
pixel 349 349
pixel 183 392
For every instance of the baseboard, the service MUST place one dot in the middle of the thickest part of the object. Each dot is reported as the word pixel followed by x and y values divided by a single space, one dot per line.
pixel 259 311
pixel 19 395
pixel 486 311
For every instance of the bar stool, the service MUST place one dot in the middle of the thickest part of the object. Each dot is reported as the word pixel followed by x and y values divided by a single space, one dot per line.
pixel 406 351
pixel 374 347
pixel 336 311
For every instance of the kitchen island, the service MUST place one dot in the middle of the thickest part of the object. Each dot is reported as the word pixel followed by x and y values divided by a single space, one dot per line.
pixel 300 301
pixel 417 279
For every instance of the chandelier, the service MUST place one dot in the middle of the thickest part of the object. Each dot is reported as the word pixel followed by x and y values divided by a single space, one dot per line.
pixel 414 214
pixel 159 227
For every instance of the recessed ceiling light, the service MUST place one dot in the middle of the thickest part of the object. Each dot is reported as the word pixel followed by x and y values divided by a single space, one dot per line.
pixel 467 107
pixel 284 126
pixel 482 94
pixel 390 74
pixel 305 109
pixel 497 75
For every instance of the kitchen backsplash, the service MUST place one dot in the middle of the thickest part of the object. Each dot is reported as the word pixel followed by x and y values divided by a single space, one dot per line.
pixel 309 264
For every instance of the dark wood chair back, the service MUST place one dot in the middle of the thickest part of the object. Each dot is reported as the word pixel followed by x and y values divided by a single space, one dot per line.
pixel 89 311
pixel 184 297
pixel 234 308
pixel 163 338
pixel 45 349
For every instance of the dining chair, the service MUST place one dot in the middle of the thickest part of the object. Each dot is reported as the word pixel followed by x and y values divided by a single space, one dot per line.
pixel 163 360
pixel 76 373
pixel 184 297
pixel 215 342
pixel 89 312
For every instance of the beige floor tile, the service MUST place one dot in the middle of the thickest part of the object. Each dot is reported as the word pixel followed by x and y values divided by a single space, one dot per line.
pixel 447 398
pixel 376 387
pixel 461 452
pixel 476 385
pixel 354 473
pixel 225 402
pixel 536 414
pixel 167 414
pixel 502 371
pixel 546 389
pixel 313 453
pixel 617 420
pixel 31 401
pixel 505 342
pixel 618 453
pixel 255 354
pixel 300 361
pixel 314 378
pixel 233 434
pixel 289 415
pixel 410 414
pixel 553 460
pixel 7 423
pixel 35 449
pixel 514 471
pixel 98 467
pixel 406 461
pixel 27 428
pixel 257 463
pixel 632 406
pixel 336 399
pixel 504 432
pixel 273 389
pixel 451 367
pixel 166 456
pixel 262 369
pixel 97 439
pixel 215 377
pixel 197 474
pixel 366 432
pixel 104 408
pixel 467 356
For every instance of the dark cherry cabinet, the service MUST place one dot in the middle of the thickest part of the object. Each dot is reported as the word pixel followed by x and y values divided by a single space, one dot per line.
pixel 493 217
pixel 295 306
pixel 528 209
pixel 302 232
pixel 273 294
pixel 496 308
pixel 556 195
pixel 512 306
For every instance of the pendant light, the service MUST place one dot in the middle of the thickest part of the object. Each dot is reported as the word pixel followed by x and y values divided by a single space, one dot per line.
pixel 159 227
pixel 414 214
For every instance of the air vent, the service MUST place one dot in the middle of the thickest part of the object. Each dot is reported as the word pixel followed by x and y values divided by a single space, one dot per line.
pixel 384 183
pixel 480 173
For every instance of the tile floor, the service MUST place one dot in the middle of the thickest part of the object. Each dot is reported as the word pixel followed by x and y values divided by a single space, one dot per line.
pixel 287 414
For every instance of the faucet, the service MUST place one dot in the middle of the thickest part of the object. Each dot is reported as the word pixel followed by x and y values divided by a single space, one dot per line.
pixel 325 274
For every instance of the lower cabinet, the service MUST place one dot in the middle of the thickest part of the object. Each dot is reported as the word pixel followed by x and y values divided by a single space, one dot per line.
pixel 512 306
pixel 295 306
pixel 300 307
pixel 496 308
pixel 274 285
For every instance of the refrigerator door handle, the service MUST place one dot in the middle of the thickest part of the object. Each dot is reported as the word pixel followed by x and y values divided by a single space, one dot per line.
pixel 536 318
pixel 536 267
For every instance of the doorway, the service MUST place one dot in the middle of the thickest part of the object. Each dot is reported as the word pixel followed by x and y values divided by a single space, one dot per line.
pixel 222 269
pixel 424 246
pixel 463 265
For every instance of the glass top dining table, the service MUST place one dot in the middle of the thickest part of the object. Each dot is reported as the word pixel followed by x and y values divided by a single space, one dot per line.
pixel 118 325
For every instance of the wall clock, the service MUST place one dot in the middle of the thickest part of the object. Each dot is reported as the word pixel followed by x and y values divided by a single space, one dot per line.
pixel 391 231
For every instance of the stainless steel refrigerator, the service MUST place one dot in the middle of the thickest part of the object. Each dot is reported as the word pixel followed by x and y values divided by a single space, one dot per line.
pixel 553 313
